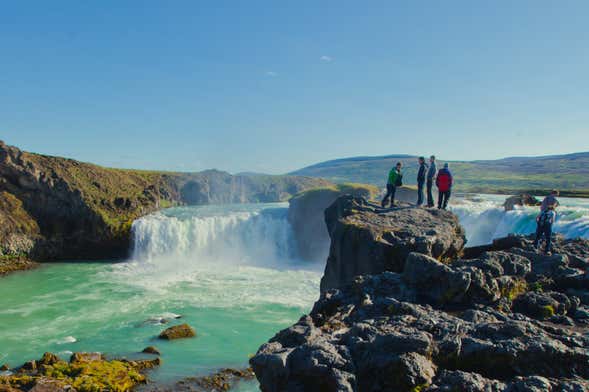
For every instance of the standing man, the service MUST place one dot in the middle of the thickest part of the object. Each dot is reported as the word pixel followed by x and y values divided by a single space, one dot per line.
pixel 550 200
pixel 431 175
pixel 395 179
pixel 421 180
pixel 545 221
pixel 444 184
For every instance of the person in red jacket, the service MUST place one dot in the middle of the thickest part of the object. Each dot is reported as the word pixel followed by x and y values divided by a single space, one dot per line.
pixel 444 184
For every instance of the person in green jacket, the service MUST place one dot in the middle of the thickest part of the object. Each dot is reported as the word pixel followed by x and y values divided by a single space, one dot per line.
pixel 395 179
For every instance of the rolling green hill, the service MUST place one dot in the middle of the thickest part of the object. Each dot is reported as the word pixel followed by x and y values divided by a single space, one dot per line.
pixel 569 173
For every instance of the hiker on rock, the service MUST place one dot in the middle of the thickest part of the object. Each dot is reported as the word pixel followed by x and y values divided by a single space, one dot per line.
pixel 544 222
pixel 444 184
pixel 550 200
pixel 421 180
pixel 431 175
pixel 395 180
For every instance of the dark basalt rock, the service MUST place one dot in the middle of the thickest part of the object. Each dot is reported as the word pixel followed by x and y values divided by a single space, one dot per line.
pixel 505 319
pixel 367 239
pixel 520 200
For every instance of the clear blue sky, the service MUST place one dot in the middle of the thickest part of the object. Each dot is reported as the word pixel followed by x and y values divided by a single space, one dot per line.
pixel 273 86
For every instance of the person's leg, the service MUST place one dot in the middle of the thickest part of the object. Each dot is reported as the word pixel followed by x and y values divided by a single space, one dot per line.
pixel 539 232
pixel 393 191
pixel 440 198
pixel 430 196
pixel 446 198
pixel 419 193
pixel 386 196
pixel 548 235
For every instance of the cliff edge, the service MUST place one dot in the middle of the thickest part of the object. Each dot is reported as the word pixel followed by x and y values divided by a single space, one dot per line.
pixel 505 319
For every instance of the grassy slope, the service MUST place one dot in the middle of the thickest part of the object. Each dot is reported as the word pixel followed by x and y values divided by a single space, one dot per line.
pixel 570 173
pixel 100 188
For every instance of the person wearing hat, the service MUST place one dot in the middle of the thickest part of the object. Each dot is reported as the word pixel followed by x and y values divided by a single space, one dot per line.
pixel 444 184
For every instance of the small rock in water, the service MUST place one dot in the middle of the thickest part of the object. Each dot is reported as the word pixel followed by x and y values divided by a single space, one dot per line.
pixel 151 350
pixel 4 367
pixel 178 332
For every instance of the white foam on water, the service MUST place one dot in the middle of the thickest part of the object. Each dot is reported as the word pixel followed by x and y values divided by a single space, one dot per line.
pixel 219 256
pixel 486 219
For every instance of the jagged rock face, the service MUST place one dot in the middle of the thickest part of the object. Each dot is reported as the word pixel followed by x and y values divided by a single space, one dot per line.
pixel 366 239
pixel 503 320
pixel 307 219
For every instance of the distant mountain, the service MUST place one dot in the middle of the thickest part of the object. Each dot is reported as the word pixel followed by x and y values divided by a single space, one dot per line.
pixel 569 173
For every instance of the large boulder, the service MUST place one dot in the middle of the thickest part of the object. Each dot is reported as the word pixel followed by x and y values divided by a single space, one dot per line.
pixel 367 239
pixel 398 313
pixel 523 199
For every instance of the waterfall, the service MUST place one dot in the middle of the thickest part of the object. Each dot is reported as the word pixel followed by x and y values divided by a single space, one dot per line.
pixel 485 220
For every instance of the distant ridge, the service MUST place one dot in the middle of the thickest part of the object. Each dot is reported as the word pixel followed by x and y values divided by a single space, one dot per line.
pixel 567 172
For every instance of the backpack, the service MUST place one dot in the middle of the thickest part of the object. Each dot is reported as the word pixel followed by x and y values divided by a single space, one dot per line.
pixel 545 218
pixel 399 180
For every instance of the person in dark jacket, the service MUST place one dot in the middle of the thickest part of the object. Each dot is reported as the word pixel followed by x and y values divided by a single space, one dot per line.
pixel 395 179
pixel 544 222
pixel 444 184
pixel 421 180
pixel 431 175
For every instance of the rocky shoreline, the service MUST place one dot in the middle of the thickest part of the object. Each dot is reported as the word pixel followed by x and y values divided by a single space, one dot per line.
pixel 406 310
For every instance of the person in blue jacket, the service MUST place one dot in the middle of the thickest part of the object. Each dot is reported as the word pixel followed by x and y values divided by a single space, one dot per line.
pixel 431 176
pixel 544 222
pixel 421 180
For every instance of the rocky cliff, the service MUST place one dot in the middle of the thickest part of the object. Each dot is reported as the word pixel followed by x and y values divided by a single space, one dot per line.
pixel 367 239
pixel 505 319
pixel 57 208
pixel 306 216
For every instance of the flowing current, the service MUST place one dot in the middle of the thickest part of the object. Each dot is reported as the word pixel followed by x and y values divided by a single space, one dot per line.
pixel 229 271
pixel 484 218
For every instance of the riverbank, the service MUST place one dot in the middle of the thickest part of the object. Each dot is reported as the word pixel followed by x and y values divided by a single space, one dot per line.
pixel 10 264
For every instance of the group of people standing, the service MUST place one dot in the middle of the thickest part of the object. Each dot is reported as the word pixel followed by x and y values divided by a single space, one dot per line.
pixel 426 175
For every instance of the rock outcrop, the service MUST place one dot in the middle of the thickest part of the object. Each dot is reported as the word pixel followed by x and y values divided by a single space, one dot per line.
pixel 85 372
pixel 523 199
pixel 57 208
pixel 506 319
pixel 367 239
pixel 307 219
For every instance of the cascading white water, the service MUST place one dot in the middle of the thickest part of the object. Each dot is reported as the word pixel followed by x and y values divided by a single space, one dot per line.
pixel 252 236
pixel 485 219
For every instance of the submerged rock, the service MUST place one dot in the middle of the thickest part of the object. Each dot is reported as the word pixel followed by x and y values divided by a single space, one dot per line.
pixel 223 380
pixel 151 350
pixel 506 319
pixel 178 332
